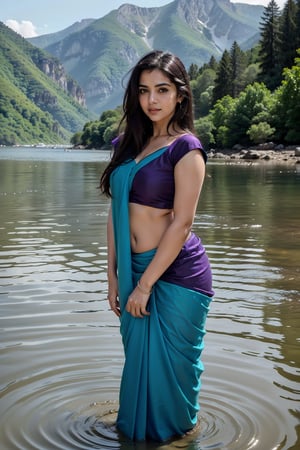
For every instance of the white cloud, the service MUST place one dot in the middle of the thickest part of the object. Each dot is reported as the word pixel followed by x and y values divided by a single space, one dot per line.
pixel 25 28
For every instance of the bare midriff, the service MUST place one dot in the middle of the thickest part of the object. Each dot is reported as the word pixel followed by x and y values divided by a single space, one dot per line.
pixel 147 226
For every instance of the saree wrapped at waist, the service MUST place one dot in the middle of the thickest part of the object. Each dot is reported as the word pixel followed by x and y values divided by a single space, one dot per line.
pixel 161 375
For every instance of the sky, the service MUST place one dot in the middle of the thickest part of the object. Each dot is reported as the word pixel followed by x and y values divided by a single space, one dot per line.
pixel 35 17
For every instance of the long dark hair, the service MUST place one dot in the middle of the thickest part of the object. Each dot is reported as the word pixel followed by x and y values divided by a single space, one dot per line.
pixel 138 127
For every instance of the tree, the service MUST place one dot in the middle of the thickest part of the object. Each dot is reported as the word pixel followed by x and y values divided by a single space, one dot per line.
pixel 260 132
pixel 223 82
pixel 193 71
pixel 110 133
pixel 205 101
pixel 202 91
pixel 298 24
pixel 238 65
pixel 230 78
pixel 250 74
pixel 269 46
pixel 252 107
pixel 204 128
pixel 95 134
pixel 212 64
pixel 220 116
pixel 287 104
pixel 289 35
pixel 76 139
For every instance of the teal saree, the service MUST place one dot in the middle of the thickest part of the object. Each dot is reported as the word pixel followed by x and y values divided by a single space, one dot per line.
pixel 161 376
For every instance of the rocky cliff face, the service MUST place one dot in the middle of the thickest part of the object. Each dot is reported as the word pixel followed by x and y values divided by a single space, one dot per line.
pixel 196 14
pixel 55 70
pixel 137 20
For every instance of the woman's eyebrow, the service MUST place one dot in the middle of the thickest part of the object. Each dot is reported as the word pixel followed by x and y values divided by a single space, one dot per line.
pixel 165 83
pixel 157 85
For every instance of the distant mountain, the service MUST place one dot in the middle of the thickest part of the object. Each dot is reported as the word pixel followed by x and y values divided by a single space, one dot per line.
pixel 45 40
pixel 100 54
pixel 39 102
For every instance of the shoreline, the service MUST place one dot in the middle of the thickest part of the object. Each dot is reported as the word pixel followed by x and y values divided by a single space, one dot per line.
pixel 252 155
pixel 264 153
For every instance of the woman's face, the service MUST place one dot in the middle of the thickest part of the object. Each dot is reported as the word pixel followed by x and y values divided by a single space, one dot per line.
pixel 157 96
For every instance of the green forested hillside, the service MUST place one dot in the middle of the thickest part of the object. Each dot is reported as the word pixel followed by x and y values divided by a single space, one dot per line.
pixel 22 122
pixel 33 106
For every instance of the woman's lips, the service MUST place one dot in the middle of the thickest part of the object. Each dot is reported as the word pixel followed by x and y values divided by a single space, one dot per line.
pixel 153 110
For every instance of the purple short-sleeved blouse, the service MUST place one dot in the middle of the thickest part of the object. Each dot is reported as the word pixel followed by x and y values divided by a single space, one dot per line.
pixel 154 184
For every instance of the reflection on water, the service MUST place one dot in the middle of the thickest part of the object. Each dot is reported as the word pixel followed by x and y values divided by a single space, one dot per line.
pixel 60 352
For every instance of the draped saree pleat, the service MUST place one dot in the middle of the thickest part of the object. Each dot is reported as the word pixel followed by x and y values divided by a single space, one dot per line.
pixel 161 375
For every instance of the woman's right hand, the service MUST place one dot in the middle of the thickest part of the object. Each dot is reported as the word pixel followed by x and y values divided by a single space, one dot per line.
pixel 137 302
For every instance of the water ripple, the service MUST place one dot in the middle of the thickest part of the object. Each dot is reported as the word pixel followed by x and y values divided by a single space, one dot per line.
pixel 67 406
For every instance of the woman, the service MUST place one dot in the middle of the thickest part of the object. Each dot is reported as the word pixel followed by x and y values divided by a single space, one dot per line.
pixel 159 278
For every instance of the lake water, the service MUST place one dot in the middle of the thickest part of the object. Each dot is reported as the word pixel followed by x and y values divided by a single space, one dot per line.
pixel 60 352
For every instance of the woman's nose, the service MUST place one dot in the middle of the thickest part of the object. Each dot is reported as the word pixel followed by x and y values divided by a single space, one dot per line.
pixel 152 97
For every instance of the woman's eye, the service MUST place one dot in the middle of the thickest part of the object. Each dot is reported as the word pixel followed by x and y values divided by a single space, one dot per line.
pixel 163 90
pixel 142 91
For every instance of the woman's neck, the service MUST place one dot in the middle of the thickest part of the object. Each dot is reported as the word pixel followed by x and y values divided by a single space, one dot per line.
pixel 165 132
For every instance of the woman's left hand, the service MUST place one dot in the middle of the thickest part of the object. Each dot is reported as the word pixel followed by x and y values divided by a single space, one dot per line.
pixel 137 303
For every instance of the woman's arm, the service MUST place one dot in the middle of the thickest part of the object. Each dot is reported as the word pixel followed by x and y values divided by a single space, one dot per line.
pixel 189 176
pixel 112 268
